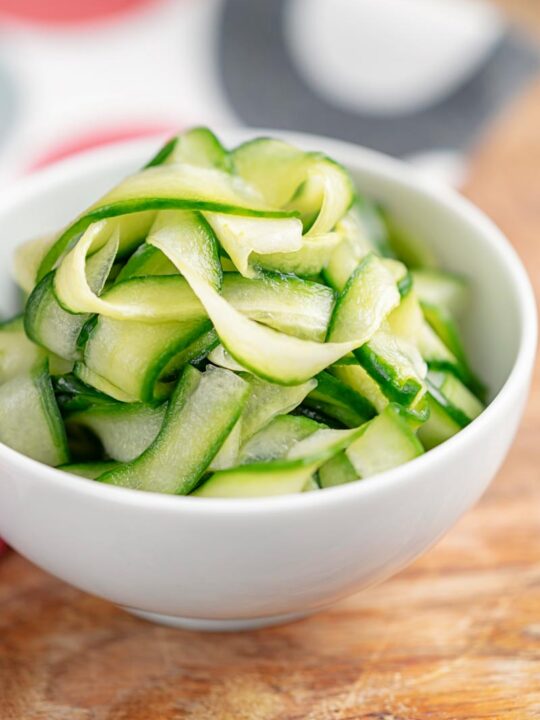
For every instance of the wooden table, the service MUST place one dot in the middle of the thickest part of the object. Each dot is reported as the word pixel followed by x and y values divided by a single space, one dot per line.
pixel 456 636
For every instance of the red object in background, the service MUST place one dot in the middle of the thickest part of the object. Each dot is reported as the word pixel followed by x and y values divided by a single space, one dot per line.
pixel 96 139
pixel 68 11
pixel 3 547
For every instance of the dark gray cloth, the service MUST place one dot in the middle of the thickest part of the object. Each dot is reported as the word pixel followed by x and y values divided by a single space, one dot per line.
pixel 265 89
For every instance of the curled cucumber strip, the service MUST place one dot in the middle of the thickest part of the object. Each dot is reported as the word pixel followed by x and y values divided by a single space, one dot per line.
pixel 272 355
pixel 311 184
pixel 160 301
pixel 175 186
pixel 335 189
pixel 308 261
pixel 242 237
pixel 150 303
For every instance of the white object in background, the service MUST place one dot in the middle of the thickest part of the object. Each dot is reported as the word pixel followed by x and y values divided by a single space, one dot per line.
pixel 153 68
pixel 223 564
pixel 389 56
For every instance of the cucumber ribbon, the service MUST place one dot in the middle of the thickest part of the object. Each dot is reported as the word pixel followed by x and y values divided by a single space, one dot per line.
pixel 187 240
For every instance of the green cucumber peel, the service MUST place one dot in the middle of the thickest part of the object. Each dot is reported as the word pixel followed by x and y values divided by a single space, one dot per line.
pixel 147 191
pixel 332 398
pixel 282 476
pixel 30 395
pixel 189 438
pixel 89 470
pixel 271 355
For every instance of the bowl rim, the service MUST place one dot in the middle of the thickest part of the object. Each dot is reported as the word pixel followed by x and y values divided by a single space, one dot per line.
pixel 356 156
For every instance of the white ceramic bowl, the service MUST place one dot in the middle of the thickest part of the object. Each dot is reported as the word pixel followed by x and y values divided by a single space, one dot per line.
pixel 232 564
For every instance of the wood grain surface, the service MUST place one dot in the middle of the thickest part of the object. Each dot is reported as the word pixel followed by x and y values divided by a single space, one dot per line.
pixel 456 636
pixel 525 13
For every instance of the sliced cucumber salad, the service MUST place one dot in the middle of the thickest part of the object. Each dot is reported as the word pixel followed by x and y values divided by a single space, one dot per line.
pixel 233 323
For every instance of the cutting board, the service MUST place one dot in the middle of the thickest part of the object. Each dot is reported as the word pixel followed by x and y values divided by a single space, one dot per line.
pixel 455 636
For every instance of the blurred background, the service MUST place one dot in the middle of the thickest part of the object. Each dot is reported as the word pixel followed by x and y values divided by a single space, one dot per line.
pixel 420 79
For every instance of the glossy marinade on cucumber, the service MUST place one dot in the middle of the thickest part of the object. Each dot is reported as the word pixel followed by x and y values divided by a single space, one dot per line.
pixel 231 324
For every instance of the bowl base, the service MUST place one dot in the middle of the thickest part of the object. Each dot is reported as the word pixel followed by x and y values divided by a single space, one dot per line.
pixel 210 625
